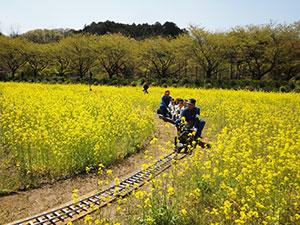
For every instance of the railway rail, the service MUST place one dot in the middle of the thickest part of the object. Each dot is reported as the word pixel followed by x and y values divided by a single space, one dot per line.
pixel 72 211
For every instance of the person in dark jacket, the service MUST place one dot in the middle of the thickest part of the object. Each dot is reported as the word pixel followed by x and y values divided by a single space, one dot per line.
pixel 191 115
pixel 164 104
pixel 145 88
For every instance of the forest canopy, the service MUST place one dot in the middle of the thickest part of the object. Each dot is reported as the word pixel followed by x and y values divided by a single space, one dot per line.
pixel 255 52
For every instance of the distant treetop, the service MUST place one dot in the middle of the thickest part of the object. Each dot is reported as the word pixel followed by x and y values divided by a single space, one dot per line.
pixel 140 31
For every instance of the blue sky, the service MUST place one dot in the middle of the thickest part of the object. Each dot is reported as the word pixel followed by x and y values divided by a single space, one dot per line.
pixel 24 15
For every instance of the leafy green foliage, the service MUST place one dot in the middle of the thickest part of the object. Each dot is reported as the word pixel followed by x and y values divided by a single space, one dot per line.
pixel 140 31
pixel 266 52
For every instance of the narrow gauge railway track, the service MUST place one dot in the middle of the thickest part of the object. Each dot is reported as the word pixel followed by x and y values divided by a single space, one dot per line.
pixel 72 211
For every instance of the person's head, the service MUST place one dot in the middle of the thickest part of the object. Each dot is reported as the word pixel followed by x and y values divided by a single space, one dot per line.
pixel 167 93
pixel 172 101
pixel 185 102
pixel 191 103
pixel 180 103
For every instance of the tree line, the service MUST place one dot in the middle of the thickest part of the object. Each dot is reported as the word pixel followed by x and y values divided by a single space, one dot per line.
pixel 254 52
pixel 139 31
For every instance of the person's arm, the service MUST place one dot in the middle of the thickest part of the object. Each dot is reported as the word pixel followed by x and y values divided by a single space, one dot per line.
pixel 168 102
pixel 184 115
pixel 197 116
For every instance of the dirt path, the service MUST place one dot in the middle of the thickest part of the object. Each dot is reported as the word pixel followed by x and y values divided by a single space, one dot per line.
pixel 29 203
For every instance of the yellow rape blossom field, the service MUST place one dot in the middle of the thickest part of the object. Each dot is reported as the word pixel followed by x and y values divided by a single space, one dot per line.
pixel 51 131
pixel 250 175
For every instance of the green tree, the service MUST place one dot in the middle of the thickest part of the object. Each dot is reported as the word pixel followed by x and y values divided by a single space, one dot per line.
pixel 208 50
pixel 261 48
pixel 81 52
pixel 158 56
pixel 116 54
pixel 45 35
pixel 60 59
pixel 182 48
pixel 288 63
pixel 37 57
pixel 12 54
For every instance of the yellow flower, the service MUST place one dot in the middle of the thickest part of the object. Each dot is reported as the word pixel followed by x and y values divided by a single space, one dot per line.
pixel 239 221
pixel 153 141
pixel 144 166
pixel 98 221
pixel 87 219
pixel 117 181
pixel 183 212
pixel 259 205
pixel 147 203
pixel 87 169
pixel 149 220
pixel 139 194
pixel 109 172
pixel 171 191
pixel 214 211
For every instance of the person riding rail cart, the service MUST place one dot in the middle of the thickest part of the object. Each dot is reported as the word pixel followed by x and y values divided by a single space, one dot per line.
pixel 186 119
pixel 191 116
pixel 164 109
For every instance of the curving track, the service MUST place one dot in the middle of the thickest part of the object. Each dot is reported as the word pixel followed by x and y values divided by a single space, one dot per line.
pixel 72 211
